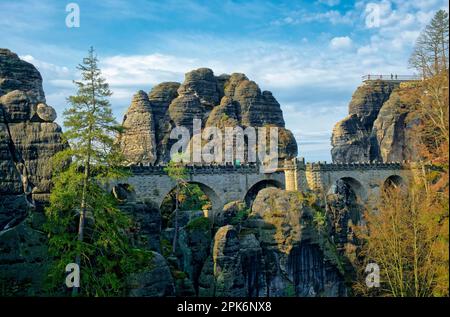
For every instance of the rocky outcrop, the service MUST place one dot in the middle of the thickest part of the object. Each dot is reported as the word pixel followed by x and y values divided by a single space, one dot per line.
pixel 27 124
pixel 229 212
pixel 393 135
pixel 139 141
pixel 379 124
pixel 195 241
pixel 218 101
pixel 24 258
pixel 297 263
pixel 276 251
pixel 156 282
pixel 16 74
pixel 253 266
pixel 342 210
pixel 229 280
pixel 28 140
pixel 147 220
pixel 160 98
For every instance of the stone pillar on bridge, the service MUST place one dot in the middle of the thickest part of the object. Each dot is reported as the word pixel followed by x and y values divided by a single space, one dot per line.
pixel 295 174
pixel 290 174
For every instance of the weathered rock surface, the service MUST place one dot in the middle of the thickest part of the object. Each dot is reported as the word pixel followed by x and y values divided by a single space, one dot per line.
pixel 160 98
pixel 139 142
pixel 218 101
pixel 45 113
pixel 16 74
pixel 378 127
pixel 296 263
pixel 28 140
pixel 195 241
pixel 343 212
pixel 26 124
pixel 147 219
pixel 393 138
pixel 229 280
pixel 277 251
pixel 253 266
pixel 24 258
pixel 228 213
pixel 156 282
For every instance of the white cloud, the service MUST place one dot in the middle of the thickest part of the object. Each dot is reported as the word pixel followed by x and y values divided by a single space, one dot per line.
pixel 341 43
pixel 303 17
pixel 42 66
pixel 313 78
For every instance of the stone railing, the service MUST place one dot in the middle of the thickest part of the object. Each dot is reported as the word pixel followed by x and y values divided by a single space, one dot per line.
pixel 324 166
pixel 254 168
pixel 197 169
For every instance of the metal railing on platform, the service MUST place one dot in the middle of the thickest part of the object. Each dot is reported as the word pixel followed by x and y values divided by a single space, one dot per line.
pixel 391 77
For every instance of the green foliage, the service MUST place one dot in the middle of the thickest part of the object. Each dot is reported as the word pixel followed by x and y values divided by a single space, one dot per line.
pixel 190 197
pixel 176 169
pixel 106 254
pixel 166 248
pixel 290 290
pixel 241 216
pixel 321 236
pixel 201 223
pixel 193 198
pixel 320 220
pixel 90 126
pixel 79 202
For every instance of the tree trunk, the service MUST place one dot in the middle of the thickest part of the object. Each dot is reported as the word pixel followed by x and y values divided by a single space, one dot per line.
pixel 175 237
pixel 83 212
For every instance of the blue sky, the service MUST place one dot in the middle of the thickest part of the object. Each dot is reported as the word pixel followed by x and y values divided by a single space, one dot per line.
pixel 310 54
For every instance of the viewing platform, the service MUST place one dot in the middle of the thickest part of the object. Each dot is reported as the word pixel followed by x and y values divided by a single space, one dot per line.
pixel 391 78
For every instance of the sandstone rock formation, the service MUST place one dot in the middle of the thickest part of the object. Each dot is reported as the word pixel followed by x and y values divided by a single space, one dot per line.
pixel 156 282
pixel 229 280
pixel 29 136
pixel 228 213
pixel 379 125
pixel 195 242
pixel 253 266
pixel 218 101
pixel 393 137
pixel 28 140
pixel 297 264
pixel 139 141
pixel 147 219
pixel 277 251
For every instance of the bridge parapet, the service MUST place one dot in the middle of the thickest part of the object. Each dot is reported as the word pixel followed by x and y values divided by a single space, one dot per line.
pixel 197 169
pixel 319 166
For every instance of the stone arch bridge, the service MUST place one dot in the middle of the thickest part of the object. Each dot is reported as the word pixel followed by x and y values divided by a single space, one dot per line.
pixel 225 183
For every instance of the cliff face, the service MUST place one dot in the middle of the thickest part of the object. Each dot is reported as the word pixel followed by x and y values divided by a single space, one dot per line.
pixel 275 252
pixel 379 126
pixel 28 140
pixel 220 101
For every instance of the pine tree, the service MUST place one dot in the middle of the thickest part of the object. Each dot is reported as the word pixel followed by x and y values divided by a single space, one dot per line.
pixel 84 221
pixel 430 55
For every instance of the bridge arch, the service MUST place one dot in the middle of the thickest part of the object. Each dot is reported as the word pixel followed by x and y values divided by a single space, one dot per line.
pixel 355 185
pixel 394 181
pixel 251 193
pixel 214 198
